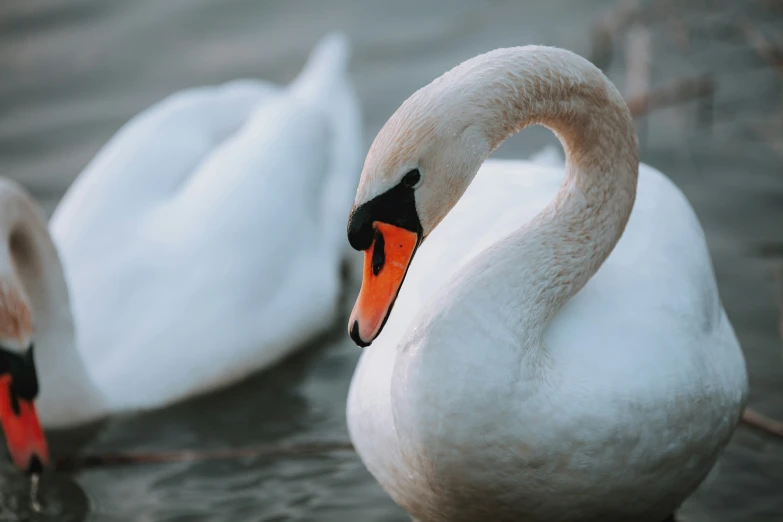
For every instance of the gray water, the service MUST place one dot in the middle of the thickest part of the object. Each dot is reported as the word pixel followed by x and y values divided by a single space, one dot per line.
pixel 73 71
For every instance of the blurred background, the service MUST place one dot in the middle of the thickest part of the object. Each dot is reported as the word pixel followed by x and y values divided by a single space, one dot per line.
pixel 704 78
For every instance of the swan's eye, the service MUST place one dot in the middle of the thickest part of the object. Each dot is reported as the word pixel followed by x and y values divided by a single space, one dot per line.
pixel 411 178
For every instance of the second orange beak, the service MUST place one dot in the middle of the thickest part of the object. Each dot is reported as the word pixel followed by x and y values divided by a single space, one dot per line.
pixel 23 433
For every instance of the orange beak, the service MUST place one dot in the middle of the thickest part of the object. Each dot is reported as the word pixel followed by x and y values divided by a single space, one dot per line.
pixel 385 265
pixel 23 433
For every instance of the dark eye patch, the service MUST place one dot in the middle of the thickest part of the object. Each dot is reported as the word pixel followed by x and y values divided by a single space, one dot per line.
pixel 411 178
pixel 396 206
pixel 24 380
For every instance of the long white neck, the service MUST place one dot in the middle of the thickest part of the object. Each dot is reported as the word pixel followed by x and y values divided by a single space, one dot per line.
pixel 552 257
pixel 30 259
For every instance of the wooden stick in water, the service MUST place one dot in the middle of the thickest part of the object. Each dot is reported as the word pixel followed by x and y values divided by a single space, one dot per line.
pixel 751 417
pixel 638 66
pixel 605 31
pixel 682 91
pixel 80 462
pixel 618 18
pixel 761 422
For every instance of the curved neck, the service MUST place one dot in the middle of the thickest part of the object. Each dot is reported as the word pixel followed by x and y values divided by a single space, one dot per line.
pixel 30 261
pixel 564 246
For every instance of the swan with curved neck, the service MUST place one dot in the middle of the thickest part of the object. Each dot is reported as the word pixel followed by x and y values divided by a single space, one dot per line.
pixel 193 243
pixel 36 333
pixel 558 351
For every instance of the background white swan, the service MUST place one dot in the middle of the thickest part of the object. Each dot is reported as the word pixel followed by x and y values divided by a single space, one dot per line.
pixel 543 361
pixel 203 243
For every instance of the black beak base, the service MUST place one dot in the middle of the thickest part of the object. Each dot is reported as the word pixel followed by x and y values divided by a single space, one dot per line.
pixel 396 206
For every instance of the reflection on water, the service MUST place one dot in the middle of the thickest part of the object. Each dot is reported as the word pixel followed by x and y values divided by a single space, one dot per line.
pixel 297 402
pixel 60 498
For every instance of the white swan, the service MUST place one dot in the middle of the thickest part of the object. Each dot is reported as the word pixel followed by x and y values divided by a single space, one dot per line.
pixel 203 243
pixel 534 368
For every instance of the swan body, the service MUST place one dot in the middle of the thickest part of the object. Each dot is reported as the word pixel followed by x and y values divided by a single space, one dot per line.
pixel 503 388
pixel 200 245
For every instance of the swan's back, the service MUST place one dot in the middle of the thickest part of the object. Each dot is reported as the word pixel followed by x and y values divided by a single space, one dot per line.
pixel 201 237
pixel 146 162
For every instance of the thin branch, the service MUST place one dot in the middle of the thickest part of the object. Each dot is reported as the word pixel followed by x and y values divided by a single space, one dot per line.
pixel 638 61
pixel 682 91
pixel 80 462
pixel 638 67
pixel 606 29
pixel 762 423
